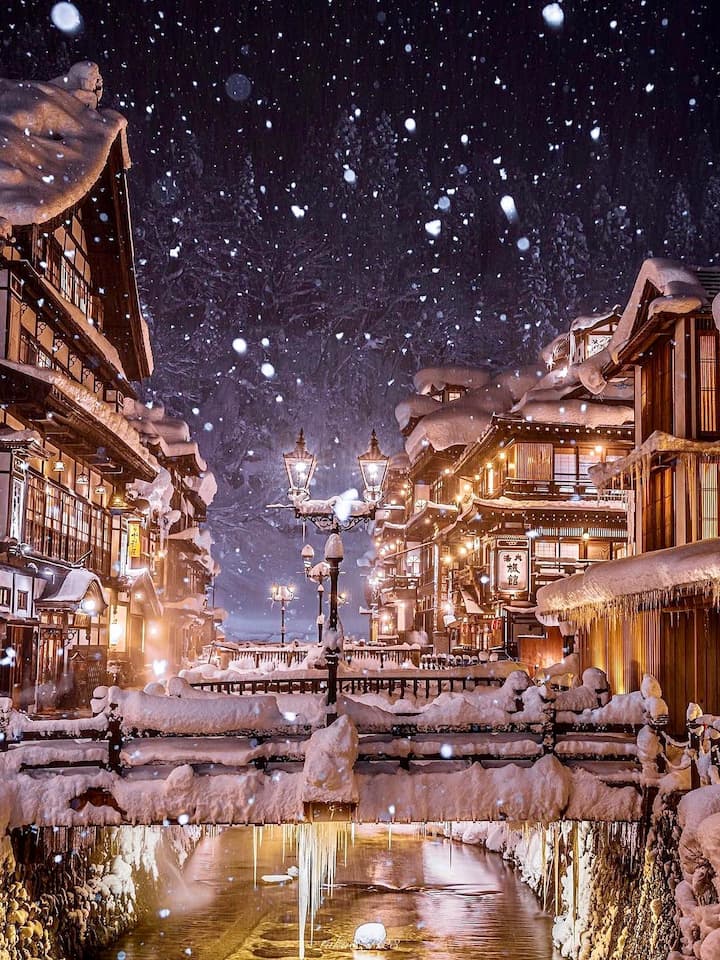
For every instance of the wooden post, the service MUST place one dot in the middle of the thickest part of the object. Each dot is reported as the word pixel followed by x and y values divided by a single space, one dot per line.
pixel 115 743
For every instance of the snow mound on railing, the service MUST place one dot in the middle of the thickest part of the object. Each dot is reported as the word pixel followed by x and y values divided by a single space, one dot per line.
pixel 330 757
pixel 172 715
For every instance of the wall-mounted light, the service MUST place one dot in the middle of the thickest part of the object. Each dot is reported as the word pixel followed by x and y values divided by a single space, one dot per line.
pixel 59 466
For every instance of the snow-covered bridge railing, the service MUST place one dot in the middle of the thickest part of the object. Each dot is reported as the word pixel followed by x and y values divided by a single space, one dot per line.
pixel 212 757
pixel 416 681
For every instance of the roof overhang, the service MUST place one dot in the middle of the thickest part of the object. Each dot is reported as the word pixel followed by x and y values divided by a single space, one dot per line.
pixel 80 592
pixel 65 422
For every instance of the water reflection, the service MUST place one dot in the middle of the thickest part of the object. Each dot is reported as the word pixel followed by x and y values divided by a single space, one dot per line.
pixel 438 899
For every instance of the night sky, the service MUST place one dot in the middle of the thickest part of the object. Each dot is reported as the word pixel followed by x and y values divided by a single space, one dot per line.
pixel 592 116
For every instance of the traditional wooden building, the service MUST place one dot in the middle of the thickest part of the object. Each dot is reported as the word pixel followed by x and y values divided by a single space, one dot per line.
pixel 181 562
pixel 657 611
pixel 72 341
pixel 529 515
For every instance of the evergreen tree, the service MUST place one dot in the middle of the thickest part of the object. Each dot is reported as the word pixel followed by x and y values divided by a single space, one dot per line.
pixel 680 240
pixel 569 264
pixel 709 233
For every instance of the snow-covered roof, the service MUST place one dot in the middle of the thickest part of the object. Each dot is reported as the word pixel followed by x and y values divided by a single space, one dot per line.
pixel 621 587
pixel 458 423
pixel 657 442
pixel 9 437
pixel 560 506
pixel 414 406
pixel 592 320
pixel 584 412
pixel 169 435
pixel 205 487
pixel 78 585
pixel 431 379
pixel 680 291
pixel 54 143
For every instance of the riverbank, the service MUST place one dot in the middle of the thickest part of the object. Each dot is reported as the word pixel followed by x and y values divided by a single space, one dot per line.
pixel 610 887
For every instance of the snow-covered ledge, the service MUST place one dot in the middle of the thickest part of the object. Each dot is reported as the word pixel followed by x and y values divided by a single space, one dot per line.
pixel 622 587
pixel 658 442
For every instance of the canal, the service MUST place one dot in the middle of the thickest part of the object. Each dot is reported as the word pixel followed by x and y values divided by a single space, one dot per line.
pixel 436 899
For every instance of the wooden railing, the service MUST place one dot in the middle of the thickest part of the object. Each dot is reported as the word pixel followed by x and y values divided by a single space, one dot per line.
pixel 425 682
pixel 405 742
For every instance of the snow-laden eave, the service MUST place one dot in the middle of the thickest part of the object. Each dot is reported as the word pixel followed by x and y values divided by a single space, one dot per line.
pixel 430 379
pixel 620 588
pixel 679 290
pixel 657 443
pixel 521 505
pixel 121 440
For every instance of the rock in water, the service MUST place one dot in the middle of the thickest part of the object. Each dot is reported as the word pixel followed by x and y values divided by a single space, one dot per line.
pixel 370 936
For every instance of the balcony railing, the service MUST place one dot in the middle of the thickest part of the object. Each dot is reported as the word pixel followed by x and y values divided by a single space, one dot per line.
pixel 558 489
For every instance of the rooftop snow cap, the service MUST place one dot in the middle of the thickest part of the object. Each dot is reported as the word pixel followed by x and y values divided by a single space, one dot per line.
pixel 54 143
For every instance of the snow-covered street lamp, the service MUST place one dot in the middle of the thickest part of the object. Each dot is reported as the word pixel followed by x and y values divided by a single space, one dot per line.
pixel 300 465
pixel 337 513
pixel 373 466
pixel 279 593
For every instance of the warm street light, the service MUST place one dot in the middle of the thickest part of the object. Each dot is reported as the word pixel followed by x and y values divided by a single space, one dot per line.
pixel 339 513
pixel 373 466
pixel 308 554
pixel 279 593
pixel 300 465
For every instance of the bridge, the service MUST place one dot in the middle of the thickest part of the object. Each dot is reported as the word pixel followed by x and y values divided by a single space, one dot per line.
pixel 213 756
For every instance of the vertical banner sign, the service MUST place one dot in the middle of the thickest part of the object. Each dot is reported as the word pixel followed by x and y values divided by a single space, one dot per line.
pixel 512 566
pixel 134 544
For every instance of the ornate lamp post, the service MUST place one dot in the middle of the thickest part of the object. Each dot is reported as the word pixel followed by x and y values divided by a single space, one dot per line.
pixel 279 593
pixel 373 467
pixel 336 514
pixel 318 574
pixel 334 554
pixel 300 466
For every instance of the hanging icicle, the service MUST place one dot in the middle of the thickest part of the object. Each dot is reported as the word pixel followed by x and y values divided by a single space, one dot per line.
pixel 317 848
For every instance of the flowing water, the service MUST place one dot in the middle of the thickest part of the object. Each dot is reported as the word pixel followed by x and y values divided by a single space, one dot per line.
pixel 436 899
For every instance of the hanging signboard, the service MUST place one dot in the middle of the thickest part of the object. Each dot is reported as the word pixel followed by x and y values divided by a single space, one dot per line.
pixel 134 543
pixel 512 566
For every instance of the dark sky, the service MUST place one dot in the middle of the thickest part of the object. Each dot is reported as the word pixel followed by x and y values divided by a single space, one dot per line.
pixel 491 86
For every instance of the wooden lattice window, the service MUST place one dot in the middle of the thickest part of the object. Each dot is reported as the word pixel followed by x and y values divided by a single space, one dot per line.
pixel 709 384
pixel 709 518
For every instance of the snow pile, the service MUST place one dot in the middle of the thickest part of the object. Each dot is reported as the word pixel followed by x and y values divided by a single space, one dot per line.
pixel 543 792
pixel 698 894
pixel 458 423
pixel 169 715
pixel 436 379
pixel 370 936
pixel 330 757
pixel 168 436
pixel 54 143
pixel 413 408
pixel 516 703
pixel 582 412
